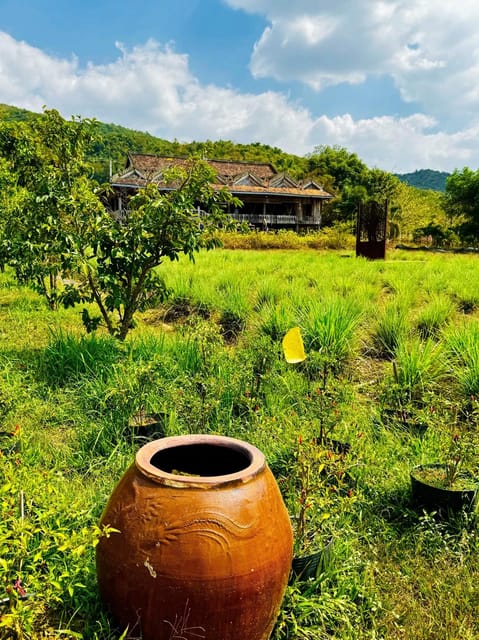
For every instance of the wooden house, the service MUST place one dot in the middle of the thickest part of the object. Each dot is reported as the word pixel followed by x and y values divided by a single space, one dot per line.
pixel 270 200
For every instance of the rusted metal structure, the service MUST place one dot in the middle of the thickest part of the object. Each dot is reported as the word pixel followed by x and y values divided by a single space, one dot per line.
pixel 371 230
pixel 270 200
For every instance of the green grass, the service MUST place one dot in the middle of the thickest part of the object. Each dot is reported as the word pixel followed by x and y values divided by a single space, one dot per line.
pixel 329 327
pixel 431 318
pixel 391 328
pixel 66 400
pixel 419 364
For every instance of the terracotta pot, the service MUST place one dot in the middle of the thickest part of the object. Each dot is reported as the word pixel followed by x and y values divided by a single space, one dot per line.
pixel 203 555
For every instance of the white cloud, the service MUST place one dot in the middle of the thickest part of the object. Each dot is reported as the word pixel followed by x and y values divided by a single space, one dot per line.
pixel 429 48
pixel 25 73
pixel 401 144
pixel 151 88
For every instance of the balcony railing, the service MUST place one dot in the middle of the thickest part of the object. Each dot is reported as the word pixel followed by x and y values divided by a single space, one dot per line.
pixel 251 218
pixel 273 220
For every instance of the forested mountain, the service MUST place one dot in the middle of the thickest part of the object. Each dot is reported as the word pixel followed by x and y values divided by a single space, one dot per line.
pixel 425 179
pixel 14 113
pixel 116 141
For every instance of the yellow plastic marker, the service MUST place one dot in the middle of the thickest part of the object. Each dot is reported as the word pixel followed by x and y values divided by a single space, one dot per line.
pixel 293 346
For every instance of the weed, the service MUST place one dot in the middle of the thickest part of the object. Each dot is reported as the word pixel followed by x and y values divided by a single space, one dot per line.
pixel 418 365
pixel 46 559
pixel 275 320
pixel 67 357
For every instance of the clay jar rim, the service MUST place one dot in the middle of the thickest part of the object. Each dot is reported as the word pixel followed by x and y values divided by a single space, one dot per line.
pixel 145 454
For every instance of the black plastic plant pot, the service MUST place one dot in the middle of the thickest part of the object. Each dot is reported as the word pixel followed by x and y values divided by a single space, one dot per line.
pixel 147 427
pixel 444 500
pixel 403 419
pixel 311 566
pixel 335 446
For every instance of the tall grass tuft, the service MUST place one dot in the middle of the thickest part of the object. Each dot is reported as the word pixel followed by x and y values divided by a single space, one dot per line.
pixel 146 347
pixel 434 315
pixel 462 346
pixel 462 339
pixel 188 354
pixel 467 298
pixel 418 366
pixel 275 320
pixel 234 310
pixel 391 329
pixel 330 328
pixel 67 357
pixel 269 293
pixel 468 376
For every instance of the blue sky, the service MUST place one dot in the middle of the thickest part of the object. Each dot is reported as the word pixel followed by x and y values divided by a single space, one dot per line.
pixel 395 81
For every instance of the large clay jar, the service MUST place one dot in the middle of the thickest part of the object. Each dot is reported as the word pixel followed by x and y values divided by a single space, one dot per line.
pixel 204 543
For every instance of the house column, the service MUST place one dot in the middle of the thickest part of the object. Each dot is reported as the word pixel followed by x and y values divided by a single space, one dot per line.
pixel 317 209
pixel 299 211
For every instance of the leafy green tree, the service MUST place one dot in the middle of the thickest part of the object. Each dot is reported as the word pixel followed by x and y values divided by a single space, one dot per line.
pixel 461 202
pixel 60 238
pixel 119 257
pixel 415 209
pixel 8 203
pixel 336 167
pixel 52 194
pixel 345 175
pixel 381 185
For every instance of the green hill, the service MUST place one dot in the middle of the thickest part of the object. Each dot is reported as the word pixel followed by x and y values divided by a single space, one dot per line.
pixel 116 141
pixel 425 179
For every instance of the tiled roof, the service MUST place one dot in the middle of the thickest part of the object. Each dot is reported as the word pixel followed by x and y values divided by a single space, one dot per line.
pixel 299 191
pixel 155 164
pixel 142 168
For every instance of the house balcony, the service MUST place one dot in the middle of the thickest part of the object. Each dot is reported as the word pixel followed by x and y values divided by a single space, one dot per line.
pixel 272 220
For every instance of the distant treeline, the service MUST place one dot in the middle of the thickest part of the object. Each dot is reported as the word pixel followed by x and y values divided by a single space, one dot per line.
pixel 115 142
pixel 425 179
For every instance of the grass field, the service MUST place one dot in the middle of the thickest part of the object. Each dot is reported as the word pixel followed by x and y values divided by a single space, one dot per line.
pixel 392 370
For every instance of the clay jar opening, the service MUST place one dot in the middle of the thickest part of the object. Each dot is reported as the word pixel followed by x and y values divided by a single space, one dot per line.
pixel 199 460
